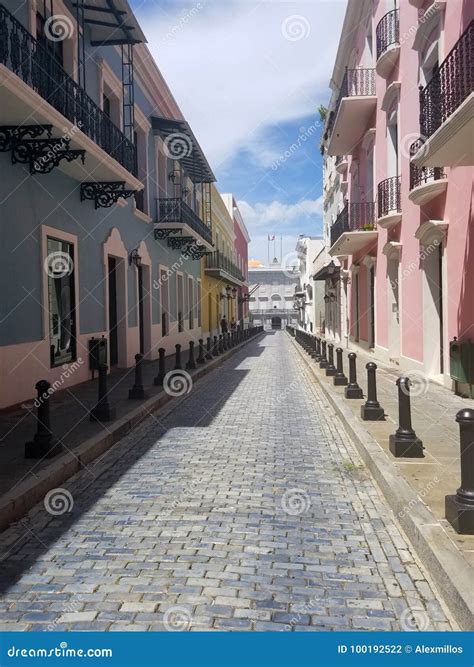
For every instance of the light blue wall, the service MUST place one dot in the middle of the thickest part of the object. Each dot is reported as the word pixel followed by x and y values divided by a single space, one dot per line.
pixel 54 200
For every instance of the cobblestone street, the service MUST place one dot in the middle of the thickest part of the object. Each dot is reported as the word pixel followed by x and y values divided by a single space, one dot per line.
pixel 242 506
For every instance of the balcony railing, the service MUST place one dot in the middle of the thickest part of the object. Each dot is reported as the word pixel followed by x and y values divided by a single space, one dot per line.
pixel 388 32
pixel 450 85
pixel 422 175
pixel 356 83
pixel 388 196
pixel 216 260
pixel 175 210
pixel 36 65
pixel 354 218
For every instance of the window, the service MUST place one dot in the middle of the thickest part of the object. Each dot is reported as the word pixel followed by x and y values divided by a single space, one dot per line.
pixel 61 301
pixel 106 106
pixel 180 302
pixel 164 302
pixel 53 46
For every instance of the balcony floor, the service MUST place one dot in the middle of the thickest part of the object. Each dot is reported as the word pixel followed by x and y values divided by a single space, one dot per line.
pixel 351 122
pixel 351 242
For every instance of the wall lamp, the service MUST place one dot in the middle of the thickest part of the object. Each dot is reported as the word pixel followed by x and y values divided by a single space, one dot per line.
pixel 134 258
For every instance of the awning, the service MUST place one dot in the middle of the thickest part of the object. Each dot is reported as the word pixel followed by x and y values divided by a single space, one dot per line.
pixel 184 149
pixel 110 22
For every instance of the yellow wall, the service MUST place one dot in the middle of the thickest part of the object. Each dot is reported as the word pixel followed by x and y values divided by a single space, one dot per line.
pixel 213 308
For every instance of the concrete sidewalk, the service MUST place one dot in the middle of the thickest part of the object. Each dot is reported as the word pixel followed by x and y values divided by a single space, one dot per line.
pixel 23 481
pixel 415 488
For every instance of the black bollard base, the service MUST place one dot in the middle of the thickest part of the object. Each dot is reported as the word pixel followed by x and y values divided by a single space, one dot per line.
pixel 406 446
pixel 460 515
pixel 191 366
pixel 42 448
pixel 330 371
pixel 323 364
pixel 372 413
pixel 137 394
pixel 353 392
pixel 340 380
pixel 158 381
pixel 102 413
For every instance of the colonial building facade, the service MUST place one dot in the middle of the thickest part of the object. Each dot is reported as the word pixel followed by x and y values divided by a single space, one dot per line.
pixel 398 168
pixel 309 293
pixel 272 295
pixel 108 194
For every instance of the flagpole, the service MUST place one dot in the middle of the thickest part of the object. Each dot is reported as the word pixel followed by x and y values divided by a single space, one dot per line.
pixel 268 249
pixel 281 248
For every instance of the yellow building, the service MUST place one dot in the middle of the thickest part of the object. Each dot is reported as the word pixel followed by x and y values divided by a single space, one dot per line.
pixel 220 275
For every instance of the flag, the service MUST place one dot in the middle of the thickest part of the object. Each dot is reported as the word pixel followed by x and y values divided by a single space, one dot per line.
pixel 271 238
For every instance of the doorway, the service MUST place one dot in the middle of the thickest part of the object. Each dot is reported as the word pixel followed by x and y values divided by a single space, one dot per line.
pixel 433 323
pixel 141 325
pixel 113 317
pixel 371 340
pixel 393 308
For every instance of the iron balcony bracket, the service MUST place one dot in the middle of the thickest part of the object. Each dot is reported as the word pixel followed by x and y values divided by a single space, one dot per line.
pixel 178 243
pixel 166 232
pixel 105 193
pixel 43 155
pixel 11 134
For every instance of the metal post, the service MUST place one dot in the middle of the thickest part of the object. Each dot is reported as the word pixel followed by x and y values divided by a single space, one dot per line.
pixel 330 368
pixel 44 444
pixel 324 361
pixel 191 365
pixel 339 379
pixel 102 411
pixel 215 348
pixel 209 356
pixel 371 410
pixel 221 343
pixel 201 357
pixel 353 390
pixel 404 441
pixel 178 366
pixel 138 391
pixel 460 508
pixel 158 381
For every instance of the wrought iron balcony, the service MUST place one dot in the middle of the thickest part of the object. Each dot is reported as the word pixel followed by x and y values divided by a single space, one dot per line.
pixel 356 83
pixel 388 197
pixel 216 261
pixel 174 211
pixel 388 32
pixel 421 175
pixel 36 65
pixel 358 217
pixel 450 85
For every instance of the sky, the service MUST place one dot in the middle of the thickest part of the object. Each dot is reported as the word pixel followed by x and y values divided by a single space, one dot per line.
pixel 249 77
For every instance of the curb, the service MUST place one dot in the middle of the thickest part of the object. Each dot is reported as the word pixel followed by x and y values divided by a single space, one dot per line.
pixel 17 502
pixel 448 569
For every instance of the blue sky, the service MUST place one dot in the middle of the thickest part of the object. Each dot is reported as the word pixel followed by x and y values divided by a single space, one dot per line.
pixel 249 76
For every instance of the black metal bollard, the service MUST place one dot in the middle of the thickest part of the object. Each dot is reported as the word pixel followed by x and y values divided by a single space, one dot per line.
pixel 404 441
pixel 191 365
pixel 209 356
pixel 178 365
pixel 102 411
pixel 330 368
pixel 317 350
pixel 44 444
pixel 324 361
pixel 460 508
pixel 137 392
pixel 221 343
pixel 339 379
pixel 215 348
pixel 158 381
pixel 353 390
pixel 201 357
pixel 371 410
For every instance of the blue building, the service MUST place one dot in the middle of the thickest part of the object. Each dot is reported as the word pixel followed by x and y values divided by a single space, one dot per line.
pixel 105 196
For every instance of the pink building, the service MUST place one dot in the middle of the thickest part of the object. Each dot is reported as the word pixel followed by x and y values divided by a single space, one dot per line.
pixel 241 256
pixel 399 156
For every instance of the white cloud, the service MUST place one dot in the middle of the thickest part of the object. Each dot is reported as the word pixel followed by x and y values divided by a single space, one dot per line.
pixel 281 216
pixel 233 71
